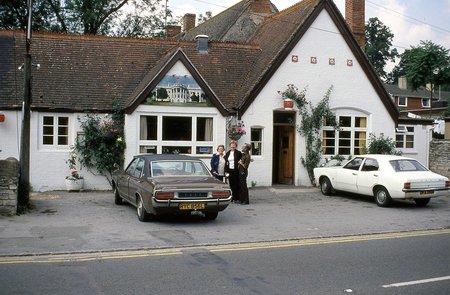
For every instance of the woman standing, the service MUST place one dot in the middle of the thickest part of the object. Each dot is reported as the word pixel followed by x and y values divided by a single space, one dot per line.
pixel 218 163
pixel 232 158
pixel 243 173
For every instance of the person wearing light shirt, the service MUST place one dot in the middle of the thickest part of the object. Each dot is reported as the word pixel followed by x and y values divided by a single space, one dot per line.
pixel 232 158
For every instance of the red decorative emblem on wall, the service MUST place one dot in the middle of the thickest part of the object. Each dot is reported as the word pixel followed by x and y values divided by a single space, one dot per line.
pixel 313 59
pixel 350 62
pixel 331 61
pixel 295 58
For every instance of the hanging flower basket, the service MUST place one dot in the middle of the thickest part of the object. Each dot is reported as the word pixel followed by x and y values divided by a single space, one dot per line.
pixel 236 131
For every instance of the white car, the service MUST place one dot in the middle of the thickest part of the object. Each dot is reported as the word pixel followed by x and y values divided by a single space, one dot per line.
pixel 385 177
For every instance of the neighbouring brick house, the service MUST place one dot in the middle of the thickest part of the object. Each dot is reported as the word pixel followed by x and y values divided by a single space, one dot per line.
pixel 181 93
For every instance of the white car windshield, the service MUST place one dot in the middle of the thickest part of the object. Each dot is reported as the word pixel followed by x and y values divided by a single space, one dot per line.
pixel 179 168
pixel 406 165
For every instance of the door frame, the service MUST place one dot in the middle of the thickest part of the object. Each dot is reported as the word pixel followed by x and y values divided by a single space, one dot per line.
pixel 284 124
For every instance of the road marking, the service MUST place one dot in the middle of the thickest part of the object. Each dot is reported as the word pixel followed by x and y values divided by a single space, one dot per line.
pixel 417 282
pixel 245 246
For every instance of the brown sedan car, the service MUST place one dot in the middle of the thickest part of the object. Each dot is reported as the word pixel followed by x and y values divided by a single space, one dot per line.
pixel 170 184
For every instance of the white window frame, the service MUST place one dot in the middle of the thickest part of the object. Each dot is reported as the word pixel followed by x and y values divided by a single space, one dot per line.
pixel 425 99
pixel 405 131
pixel 352 129
pixel 260 142
pixel 55 145
pixel 194 145
pixel 406 101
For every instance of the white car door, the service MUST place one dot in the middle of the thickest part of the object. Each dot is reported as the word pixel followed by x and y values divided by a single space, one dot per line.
pixel 346 178
pixel 368 176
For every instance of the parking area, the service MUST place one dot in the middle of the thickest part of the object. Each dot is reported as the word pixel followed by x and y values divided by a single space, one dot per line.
pixel 65 222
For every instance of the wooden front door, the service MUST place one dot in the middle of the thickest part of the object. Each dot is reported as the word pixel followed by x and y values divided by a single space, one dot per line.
pixel 286 154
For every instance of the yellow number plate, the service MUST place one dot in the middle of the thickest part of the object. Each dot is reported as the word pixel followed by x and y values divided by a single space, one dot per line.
pixel 427 192
pixel 192 206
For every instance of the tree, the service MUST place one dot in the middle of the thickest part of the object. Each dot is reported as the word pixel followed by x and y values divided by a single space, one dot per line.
pixel 105 17
pixel 204 17
pixel 378 45
pixel 427 63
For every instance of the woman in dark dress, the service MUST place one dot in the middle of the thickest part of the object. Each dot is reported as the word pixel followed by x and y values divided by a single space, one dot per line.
pixel 243 173
pixel 232 158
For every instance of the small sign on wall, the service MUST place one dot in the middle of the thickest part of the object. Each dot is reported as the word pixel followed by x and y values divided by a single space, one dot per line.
pixel 313 59
pixel 295 58
pixel 331 61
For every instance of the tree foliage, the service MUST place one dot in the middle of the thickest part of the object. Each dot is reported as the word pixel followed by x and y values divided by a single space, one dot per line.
pixel 381 145
pixel 378 39
pixel 103 143
pixel 137 18
pixel 425 63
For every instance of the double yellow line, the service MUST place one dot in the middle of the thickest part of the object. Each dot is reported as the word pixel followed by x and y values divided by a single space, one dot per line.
pixel 123 254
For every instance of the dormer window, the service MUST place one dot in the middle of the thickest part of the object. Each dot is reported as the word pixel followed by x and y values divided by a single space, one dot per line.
pixel 402 101
pixel 425 102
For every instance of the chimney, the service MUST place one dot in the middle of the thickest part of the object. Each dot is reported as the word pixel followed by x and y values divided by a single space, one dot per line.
pixel 355 17
pixel 260 6
pixel 402 84
pixel 172 31
pixel 188 21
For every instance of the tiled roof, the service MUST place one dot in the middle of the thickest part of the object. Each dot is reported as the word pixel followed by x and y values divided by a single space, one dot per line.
pixel 420 93
pixel 235 24
pixel 81 73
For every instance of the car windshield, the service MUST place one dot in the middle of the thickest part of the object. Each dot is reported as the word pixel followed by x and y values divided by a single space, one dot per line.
pixel 406 165
pixel 178 168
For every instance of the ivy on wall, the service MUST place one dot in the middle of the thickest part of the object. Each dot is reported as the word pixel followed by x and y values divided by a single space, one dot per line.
pixel 311 121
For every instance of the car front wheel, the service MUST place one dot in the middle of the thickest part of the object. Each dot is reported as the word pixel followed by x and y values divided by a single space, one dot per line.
pixel 117 198
pixel 141 212
pixel 325 186
pixel 422 202
pixel 382 197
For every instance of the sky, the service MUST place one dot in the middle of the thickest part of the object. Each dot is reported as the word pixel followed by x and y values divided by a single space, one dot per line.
pixel 409 20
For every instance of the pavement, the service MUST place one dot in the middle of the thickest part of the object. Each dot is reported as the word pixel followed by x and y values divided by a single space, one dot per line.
pixel 89 221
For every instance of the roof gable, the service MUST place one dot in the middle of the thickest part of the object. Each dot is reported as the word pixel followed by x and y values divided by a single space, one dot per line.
pixel 151 81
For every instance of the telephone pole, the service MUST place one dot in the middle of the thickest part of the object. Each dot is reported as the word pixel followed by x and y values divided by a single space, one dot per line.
pixel 23 195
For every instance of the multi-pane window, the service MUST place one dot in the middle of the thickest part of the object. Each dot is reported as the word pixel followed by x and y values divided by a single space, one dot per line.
pixel 349 139
pixel 256 141
pixel 55 130
pixel 176 134
pixel 404 138
pixel 402 101
pixel 425 102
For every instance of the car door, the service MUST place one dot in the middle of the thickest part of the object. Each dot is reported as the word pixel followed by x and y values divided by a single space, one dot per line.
pixel 346 178
pixel 135 179
pixel 124 179
pixel 368 176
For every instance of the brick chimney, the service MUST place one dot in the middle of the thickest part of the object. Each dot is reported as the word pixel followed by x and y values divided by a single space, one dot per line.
pixel 172 31
pixel 188 21
pixel 260 6
pixel 355 17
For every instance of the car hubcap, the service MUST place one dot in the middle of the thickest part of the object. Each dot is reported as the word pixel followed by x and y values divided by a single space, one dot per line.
pixel 140 207
pixel 381 196
pixel 324 186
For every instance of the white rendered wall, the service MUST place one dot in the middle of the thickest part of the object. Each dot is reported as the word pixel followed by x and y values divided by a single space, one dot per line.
pixel 422 139
pixel 10 131
pixel 352 91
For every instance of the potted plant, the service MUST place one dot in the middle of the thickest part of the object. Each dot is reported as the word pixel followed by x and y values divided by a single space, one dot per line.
pixel 74 181
pixel 291 94
pixel 235 131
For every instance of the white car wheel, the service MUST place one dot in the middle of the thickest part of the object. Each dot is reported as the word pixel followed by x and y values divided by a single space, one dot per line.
pixel 325 186
pixel 382 197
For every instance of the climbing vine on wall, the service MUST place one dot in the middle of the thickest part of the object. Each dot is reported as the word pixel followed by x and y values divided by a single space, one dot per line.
pixel 311 121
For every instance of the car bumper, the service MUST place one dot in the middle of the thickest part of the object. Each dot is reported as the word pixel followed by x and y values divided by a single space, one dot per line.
pixel 180 206
pixel 425 193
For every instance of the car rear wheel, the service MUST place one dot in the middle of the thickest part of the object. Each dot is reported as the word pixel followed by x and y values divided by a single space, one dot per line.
pixel 382 197
pixel 422 202
pixel 325 186
pixel 211 215
pixel 117 199
pixel 142 214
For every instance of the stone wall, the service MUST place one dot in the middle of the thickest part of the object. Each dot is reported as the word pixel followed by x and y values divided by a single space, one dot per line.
pixel 440 156
pixel 9 179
